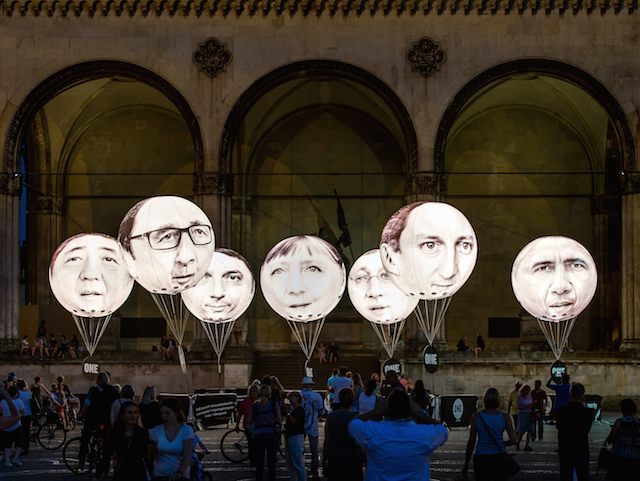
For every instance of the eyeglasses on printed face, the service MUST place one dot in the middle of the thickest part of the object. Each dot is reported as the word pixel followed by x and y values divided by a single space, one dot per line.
pixel 169 238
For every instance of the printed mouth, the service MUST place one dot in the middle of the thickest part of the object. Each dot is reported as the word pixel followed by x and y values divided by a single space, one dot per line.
pixel 216 308
pixel 183 279
pixel 378 308
pixel 90 293
pixel 562 304
pixel 299 306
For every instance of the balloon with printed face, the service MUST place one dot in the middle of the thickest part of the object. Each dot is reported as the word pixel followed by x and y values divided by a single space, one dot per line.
pixel 373 293
pixel 88 275
pixel 167 243
pixel 303 278
pixel 429 249
pixel 226 290
pixel 554 278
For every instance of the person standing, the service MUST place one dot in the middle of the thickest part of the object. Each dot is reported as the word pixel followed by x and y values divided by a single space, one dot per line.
pixel 562 390
pixel 313 408
pixel 398 447
pixel 266 418
pixel 512 407
pixel 368 398
pixel 339 383
pixel 480 345
pixel 10 435
pixel 625 440
pixel 127 445
pixel 525 403
pixel 294 438
pixel 573 423
pixel 538 410
pixel 330 379
pixel 341 456
pixel 488 427
pixel 25 397
pixel 126 394
pixel 358 388
pixel 173 443
pixel 150 408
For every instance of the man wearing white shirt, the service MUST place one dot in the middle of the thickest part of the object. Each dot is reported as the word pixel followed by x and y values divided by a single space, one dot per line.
pixel 397 448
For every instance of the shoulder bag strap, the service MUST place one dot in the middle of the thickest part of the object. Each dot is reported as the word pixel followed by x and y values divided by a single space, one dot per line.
pixel 493 438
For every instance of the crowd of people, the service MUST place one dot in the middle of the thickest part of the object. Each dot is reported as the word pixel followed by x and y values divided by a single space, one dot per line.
pixel 381 429
pixel 50 347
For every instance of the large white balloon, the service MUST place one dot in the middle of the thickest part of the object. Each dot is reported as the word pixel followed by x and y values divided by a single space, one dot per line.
pixel 88 275
pixel 303 278
pixel 167 243
pixel 373 293
pixel 554 278
pixel 429 249
pixel 226 290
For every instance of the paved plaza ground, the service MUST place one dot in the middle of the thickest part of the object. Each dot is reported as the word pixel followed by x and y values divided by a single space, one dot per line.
pixel 446 463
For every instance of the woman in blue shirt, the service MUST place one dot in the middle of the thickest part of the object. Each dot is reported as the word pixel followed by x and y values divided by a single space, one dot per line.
pixel 488 427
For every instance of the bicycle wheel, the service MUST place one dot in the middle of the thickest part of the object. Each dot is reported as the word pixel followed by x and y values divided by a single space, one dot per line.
pixel 71 458
pixel 234 446
pixel 51 436
pixel 71 422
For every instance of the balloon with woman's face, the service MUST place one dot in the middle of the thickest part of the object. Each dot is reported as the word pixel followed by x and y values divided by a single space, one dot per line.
pixel 88 275
pixel 429 249
pixel 167 243
pixel 554 278
pixel 303 278
pixel 373 293
pixel 226 290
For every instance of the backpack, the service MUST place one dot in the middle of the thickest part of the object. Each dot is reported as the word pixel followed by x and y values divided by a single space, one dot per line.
pixel 264 418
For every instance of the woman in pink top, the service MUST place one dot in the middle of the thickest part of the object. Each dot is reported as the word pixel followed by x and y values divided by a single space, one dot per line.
pixel 525 403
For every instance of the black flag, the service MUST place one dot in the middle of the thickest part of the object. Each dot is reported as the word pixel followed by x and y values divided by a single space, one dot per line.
pixel 345 238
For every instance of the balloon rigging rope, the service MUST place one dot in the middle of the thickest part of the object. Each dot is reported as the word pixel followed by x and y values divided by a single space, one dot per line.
pixel 174 312
pixel 91 330
pixel 389 335
pixel 307 334
pixel 557 334
pixel 218 334
pixel 431 319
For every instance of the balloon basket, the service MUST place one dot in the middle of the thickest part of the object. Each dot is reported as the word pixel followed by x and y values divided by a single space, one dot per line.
pixel 557 334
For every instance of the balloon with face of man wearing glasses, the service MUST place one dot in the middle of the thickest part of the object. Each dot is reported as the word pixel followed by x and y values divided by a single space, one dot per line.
pixel 167 243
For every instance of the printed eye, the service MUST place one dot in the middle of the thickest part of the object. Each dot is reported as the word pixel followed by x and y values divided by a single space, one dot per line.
pixel 73 260
pixel 234 277
pixel 277 272
pixel 544 268
pixel 207 275
pixel 109 260
pixel 362 278
pixel 384 276
pixel 313 269
pixel 578 266
pixel 429 245
pixel 465 247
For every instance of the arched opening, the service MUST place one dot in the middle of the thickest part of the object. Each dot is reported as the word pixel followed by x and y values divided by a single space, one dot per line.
pixel 534 148
pixel 94 139
pixel 294 138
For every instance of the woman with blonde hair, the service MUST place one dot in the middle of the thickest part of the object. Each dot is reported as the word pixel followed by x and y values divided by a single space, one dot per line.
pixel 488 426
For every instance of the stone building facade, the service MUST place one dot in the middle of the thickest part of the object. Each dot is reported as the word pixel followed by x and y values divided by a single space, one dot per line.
pixel 522 114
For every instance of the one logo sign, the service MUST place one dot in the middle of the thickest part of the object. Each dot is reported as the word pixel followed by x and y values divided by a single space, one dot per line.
pixel 430 359
pixel 392 365
pixel 90 368
pixel 558 368
pixel 457 409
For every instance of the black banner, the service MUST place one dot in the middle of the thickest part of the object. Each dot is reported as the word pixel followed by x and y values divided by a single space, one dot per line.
pixel 212 409
pixel 456 411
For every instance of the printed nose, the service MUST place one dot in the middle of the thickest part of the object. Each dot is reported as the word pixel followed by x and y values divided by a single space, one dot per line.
pixel 560 284
pixel 296 282
pixel 448 267
pixel 373 288
pixel 186 253
pixel 217 292
pixel 90 271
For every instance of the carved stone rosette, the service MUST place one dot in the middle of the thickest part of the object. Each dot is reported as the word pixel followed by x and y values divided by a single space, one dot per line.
pixel 213 183
pixel 427 183
pixel 212 57
pixel 426 56
pixel 47 204
pixel 11 184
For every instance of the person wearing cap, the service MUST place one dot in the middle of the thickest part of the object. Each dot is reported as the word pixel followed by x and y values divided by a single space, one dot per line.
pixel 313 408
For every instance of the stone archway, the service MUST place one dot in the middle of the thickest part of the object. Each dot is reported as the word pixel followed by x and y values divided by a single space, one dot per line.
pixel 278 133
pixel 589 125
pixel 49 182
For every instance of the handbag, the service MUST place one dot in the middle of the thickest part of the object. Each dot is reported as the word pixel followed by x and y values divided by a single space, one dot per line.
pixel 510 466
pixel 606 458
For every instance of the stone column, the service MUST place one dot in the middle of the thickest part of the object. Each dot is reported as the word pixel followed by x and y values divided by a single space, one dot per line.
pixel 213 195
pixel 10 187
pixel 47 211
pixel 630 322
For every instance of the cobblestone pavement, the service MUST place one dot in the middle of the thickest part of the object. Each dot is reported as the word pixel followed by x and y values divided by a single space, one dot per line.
pixel 541 464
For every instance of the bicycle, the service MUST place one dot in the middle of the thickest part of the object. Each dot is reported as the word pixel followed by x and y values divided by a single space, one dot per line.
pixel 49 430
pixel 198 473
pixel 88 465
pixel 234 446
